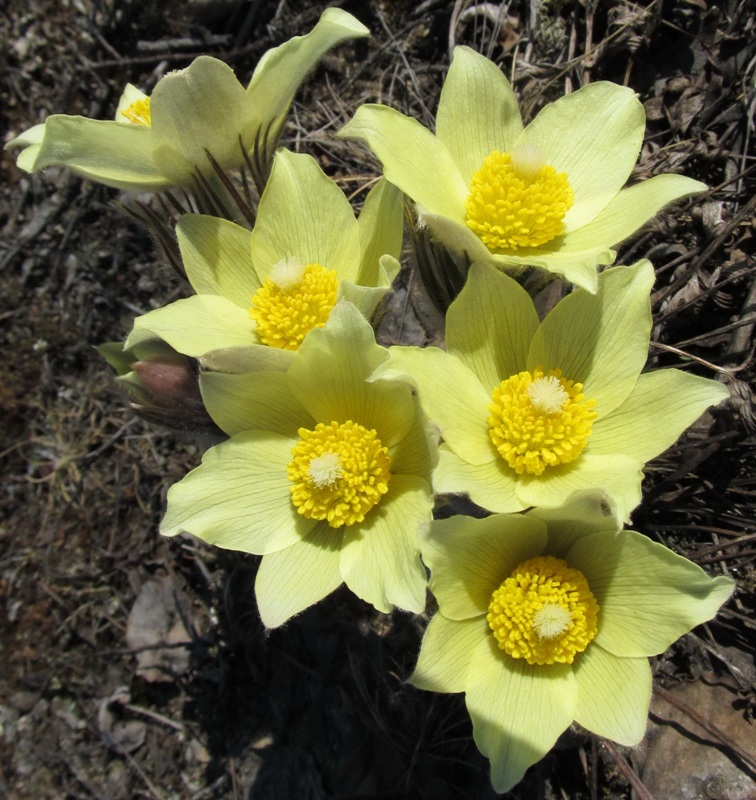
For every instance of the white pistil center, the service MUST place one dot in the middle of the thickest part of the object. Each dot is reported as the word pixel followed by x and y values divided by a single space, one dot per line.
pixel 287 273
pixel 527 160
pixel 547 395
pixel 550 620
pixel 325 470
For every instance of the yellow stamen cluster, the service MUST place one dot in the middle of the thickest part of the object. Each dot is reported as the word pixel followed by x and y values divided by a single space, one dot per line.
pixel 139 112
pixel 543 612
pixel 287 310
pixel 513 205
pixel 339 471
pixel 539 421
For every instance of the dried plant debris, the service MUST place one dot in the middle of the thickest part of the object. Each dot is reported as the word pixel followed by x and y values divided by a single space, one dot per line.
pixel 159 627
pixel 137 667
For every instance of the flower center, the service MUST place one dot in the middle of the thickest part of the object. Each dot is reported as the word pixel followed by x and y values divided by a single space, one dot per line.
pixel 292 301
pixel 339 472
pixel 539 421
pixel 543 612
pixel 517 201
pixel 139 112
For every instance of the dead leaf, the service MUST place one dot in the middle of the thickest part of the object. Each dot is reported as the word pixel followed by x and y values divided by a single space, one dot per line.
pixel 122 736
pixel 155 623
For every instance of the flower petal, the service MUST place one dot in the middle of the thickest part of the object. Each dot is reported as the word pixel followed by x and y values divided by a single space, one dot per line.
pixel 239 497
pixel 660 407
pixel 445 652
pixel 413 159
pixel 364 298
pixel 577 267
pixel 518 710
pixel 304 215
pixel 247 358
pixel 417 452
pixel 648 596
pixel 196 325
pixel 617 475
pixel 380 557
pixel 455 235
pixel 381 227
pixel 469 558
pixel 628 211
pixel 600 340
pixel 477 111
pixel 492 486
pixel 452 397
pixel 29 143
pixel 101 150
pixel 293 579
pixel 197 110
pixel 330 375
pixel 614 694
pixel 129 96
pixel 217 257
pixel 583 514
pixel 595 136
pixel 490 324
pixel 281 70
pixel 253 401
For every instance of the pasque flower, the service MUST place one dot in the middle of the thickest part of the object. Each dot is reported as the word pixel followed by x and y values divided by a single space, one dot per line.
pixel 548 195
pixel 531 412
pixel 549 617
pixel 160 141
pixel 326 475
pixel 271 286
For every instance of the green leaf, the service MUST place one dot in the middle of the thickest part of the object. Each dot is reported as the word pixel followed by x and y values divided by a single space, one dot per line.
pixel 116 356
pixel 477 111
pixel 29 143
pixel 614 694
